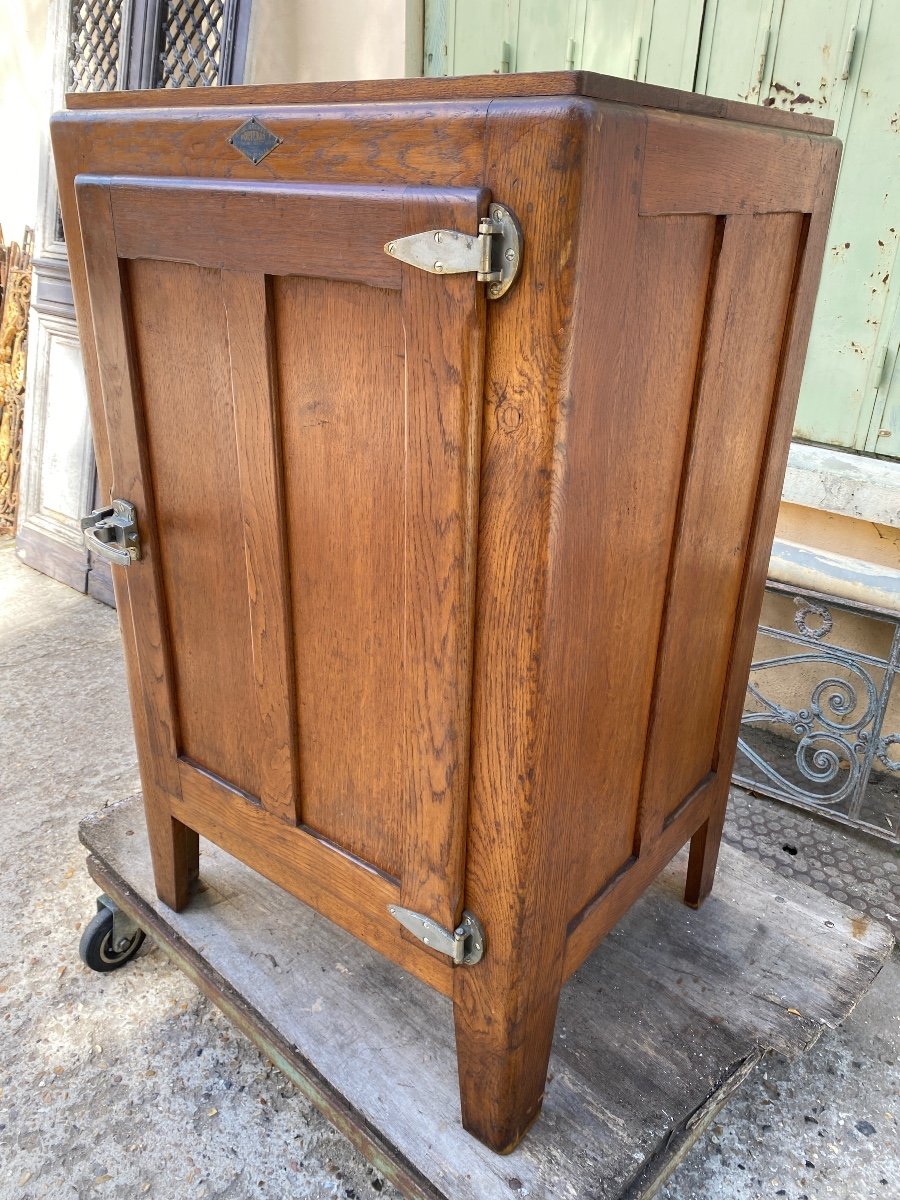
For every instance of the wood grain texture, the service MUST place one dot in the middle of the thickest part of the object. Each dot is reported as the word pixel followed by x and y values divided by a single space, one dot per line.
pixel 704 848
pixel 737 371
pixel 179 316
pixel 259 460
pixel 341 414
pixel 696 166
pixel 652 1029
pixel 217 224
pixel 632 388
pixel 443 322
pixel 504 1007
pixel 466 87
pixel 174 847
pixel 593 922
pixel 812 241
pixel 437 145
pixel 346 890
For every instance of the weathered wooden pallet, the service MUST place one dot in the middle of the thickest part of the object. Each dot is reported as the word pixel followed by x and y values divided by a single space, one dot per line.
pixel 656 1030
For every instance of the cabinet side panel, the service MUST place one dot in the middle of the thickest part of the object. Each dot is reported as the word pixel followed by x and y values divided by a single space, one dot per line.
pixel 737 375
pixel 341 367
pixel 632 399
pixel 182 349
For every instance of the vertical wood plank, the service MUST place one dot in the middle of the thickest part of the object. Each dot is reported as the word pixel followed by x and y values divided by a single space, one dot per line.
pixel 257 436
pixel 444 324
pixel 178 316
pixel 807 273
pixel 174 846
pixel 811 253
pixel 735 387
pixel 614 547
pixel 517 879
pixel 341 417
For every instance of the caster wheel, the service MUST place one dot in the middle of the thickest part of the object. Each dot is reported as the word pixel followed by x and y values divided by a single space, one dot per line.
pixel 98 948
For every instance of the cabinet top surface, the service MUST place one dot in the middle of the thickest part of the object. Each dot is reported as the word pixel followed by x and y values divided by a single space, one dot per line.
pixel 456 88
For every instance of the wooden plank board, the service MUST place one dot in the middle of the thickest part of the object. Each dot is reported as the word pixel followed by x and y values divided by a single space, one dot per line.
pixel 254 392
pixel 524 83
pixel 655 1030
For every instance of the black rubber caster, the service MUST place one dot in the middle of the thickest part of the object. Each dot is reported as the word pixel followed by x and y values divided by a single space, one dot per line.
pixel 111 939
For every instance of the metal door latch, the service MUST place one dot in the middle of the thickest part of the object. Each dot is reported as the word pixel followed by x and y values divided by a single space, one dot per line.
pixel 494 254
pixel 112 533
pixel 465 944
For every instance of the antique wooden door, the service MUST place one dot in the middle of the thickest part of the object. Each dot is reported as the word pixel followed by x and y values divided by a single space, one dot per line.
pixel 295 416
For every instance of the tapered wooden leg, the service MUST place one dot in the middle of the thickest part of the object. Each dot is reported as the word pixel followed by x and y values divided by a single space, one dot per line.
pixel 502 1058
pixel 175 851
pixel 704 856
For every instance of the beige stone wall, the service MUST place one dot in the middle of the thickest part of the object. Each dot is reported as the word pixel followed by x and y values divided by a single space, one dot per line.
pixel 292 42
pixel 24 101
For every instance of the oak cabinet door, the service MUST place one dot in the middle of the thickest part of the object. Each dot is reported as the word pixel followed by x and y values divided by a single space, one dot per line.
pixel 296 417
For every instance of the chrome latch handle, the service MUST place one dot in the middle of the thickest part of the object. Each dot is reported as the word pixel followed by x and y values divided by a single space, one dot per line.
pixel 112 533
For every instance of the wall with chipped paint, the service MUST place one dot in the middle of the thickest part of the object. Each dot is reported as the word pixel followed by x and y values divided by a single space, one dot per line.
pixel 855 335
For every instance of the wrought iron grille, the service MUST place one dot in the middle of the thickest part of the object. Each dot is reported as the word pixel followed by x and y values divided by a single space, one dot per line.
pixel 96 34
pixel 822 745
pixel 192 43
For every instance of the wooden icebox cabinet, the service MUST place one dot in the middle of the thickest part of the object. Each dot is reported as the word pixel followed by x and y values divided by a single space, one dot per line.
pixel 442 425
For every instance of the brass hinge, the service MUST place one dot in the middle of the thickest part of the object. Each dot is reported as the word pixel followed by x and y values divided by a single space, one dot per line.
pixel 494 254
pixel 464 945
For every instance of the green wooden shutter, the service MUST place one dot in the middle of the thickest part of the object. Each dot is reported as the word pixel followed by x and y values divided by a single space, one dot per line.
pixel 836 58
pixel 843 401
pixel 637 39
pixel 466 37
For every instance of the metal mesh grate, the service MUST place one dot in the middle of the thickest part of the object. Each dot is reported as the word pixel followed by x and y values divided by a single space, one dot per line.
pixel 95 42
pixel 191 43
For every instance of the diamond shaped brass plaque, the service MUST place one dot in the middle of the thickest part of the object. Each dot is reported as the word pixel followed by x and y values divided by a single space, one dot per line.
pixel 254 141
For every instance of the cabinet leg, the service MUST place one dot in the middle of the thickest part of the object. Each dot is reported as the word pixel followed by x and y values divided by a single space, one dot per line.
pixel 175 851
pixel 502 1064
pixel 704 855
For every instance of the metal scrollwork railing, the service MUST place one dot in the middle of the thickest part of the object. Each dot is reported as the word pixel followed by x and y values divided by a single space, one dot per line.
pixel 821 754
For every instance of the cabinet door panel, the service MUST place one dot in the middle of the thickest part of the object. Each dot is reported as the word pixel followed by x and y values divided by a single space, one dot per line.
pixel 344 451
pixel 181 348
pixel 754 273
pixel 301 441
